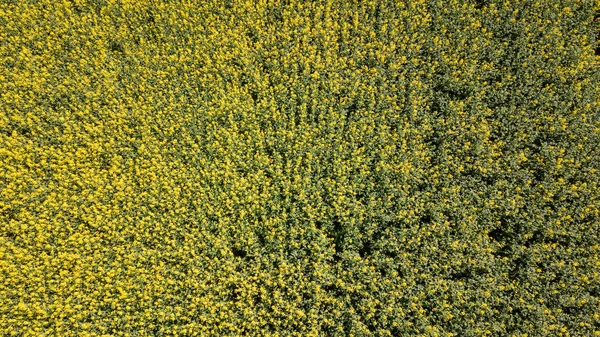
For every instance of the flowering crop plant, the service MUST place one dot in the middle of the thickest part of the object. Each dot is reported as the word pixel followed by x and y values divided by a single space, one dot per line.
pixel 300 168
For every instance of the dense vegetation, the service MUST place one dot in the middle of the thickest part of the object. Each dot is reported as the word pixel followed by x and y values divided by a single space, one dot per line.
pixel 299 168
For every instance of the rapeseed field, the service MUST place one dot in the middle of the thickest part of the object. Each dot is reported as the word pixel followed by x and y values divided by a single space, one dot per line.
pixel 299 168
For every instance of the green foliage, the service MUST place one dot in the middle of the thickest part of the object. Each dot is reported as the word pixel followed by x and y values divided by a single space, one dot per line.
pixel 296 168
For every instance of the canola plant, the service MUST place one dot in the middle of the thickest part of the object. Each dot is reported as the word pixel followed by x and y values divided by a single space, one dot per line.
pixel 299 168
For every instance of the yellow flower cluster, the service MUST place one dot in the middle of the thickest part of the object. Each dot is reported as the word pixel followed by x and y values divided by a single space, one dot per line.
pixel 299 168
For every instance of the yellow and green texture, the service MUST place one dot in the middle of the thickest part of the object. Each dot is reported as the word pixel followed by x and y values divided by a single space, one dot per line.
pixel 299 168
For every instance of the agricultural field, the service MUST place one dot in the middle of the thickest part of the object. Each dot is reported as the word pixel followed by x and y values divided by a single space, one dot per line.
pixel 300 168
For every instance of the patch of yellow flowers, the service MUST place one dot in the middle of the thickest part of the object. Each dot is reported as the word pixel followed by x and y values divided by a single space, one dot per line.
pixel 293 168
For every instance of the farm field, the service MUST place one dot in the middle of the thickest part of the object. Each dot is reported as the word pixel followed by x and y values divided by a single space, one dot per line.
pixel 299 168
